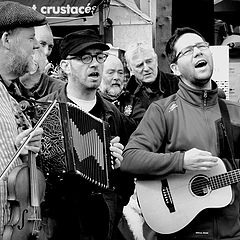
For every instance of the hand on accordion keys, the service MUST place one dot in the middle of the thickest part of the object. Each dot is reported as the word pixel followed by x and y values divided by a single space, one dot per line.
pixel 116 149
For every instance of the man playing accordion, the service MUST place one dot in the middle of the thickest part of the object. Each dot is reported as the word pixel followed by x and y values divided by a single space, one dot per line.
pixel 76 208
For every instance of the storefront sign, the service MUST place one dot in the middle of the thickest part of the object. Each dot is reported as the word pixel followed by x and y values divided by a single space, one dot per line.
pixel 63 8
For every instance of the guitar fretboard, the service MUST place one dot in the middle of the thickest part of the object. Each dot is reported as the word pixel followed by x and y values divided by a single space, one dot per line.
pixel 225 179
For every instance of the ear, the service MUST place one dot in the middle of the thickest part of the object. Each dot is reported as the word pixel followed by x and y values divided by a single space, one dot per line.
pixel 5 40
pixel 175 70
pixel 65 65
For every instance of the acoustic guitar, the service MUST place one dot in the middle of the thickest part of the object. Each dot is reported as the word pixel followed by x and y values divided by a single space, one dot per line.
pixel 170 203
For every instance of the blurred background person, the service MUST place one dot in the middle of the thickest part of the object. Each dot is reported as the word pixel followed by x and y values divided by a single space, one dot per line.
pixel 44 36
pixel 36 83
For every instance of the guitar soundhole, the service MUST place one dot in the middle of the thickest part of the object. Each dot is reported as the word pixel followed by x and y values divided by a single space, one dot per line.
pixel 200 185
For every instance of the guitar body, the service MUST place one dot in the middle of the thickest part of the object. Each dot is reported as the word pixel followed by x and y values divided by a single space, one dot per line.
pixel 169 204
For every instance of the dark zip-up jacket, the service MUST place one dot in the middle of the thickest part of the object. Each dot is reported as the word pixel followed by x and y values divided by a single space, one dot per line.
pixel 188 119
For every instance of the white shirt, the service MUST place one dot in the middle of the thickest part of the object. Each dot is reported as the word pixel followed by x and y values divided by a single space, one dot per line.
pixel 84 104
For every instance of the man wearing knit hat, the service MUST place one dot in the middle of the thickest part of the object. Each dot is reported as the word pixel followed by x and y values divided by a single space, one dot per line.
pixel 94 212
pixel 17 44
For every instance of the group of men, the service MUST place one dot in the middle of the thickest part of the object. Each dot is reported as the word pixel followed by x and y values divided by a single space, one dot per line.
pixel 160 124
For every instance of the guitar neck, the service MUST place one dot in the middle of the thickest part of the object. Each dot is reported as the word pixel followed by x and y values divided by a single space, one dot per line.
pixel 225 179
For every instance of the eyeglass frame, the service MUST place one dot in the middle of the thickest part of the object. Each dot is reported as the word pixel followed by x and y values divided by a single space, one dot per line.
pixel 92 56
pixel 191 49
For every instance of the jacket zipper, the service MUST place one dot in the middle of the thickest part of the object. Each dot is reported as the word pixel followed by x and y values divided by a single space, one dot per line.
pixel 205 98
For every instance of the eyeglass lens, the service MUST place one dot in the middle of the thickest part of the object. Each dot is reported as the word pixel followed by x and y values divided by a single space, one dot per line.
pixel 189 50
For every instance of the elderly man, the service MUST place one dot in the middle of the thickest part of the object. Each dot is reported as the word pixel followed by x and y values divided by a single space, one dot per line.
pixel 147 83
pixel 113 78
pixel 112 85
pixel 45 38
pixel 16 48
pixel 94 212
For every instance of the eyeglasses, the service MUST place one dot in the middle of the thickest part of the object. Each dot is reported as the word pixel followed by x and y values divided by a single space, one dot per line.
pixel 189 50
pixel 88 58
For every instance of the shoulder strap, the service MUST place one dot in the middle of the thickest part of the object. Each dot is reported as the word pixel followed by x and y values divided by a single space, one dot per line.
pixel 228 129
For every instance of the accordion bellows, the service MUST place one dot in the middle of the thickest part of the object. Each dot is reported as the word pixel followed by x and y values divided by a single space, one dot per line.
pixel 74 140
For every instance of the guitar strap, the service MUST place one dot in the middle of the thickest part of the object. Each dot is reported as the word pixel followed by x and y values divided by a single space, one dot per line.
pixel 228 130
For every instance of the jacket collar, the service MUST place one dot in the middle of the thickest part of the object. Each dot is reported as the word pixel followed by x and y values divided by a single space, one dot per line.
pixel 101 105
pixel 201 98
pixel 135 85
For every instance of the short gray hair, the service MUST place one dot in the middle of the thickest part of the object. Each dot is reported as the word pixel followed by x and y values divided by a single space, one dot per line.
pixel 136 48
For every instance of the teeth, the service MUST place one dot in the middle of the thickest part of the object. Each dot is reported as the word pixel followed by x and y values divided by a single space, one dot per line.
pixel 200 64
pixel 94 74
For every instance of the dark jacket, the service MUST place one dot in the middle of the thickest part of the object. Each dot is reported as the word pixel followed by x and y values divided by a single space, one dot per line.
pixel 138 96
pixel 93 207
pixel 188 119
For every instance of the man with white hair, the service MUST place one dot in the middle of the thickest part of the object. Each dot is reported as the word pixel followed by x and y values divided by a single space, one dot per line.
pixel 147 83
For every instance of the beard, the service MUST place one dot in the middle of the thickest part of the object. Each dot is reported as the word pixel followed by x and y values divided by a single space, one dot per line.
pixel 114 91
pixel 18 63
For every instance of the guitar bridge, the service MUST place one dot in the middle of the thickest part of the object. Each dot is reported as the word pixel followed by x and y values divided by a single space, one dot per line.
pixel 167 196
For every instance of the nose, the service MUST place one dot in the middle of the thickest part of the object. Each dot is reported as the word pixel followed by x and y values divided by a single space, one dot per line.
pixel 46 50
pixel 196 50
pixel 116 76
pixel 145 66
pixel 36 44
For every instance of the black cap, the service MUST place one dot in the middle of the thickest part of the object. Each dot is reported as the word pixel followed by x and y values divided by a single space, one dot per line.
pixel 76 42
pixel 14 15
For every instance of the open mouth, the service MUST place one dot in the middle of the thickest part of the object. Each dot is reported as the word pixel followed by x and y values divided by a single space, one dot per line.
pixel 94 74
pixel 201 63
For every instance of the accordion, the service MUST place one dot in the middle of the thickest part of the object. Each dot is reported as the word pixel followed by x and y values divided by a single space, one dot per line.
pixel 74 140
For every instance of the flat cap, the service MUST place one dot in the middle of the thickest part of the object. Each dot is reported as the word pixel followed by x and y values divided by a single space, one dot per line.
pixel 74 43
pixel 14 15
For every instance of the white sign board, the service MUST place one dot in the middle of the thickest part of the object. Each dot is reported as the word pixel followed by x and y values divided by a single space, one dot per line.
pixel 221 67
